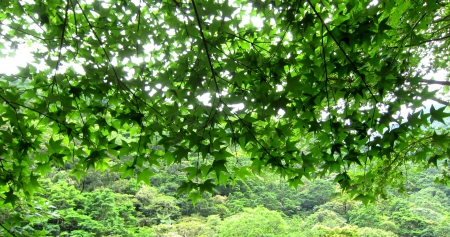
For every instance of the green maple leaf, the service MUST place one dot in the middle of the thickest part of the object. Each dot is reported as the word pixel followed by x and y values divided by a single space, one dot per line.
pixel 193 172
pixel 186 187
pixel 34 180
pixel 11 197
pixel 434 159
pixel 144 176
pixel 365 198
pixel 169 157
pixel 242 172
pixel 207 186
pixel 442 140
pixel 194 196
pixel 438 114
pixel 127 170
pixel 78 173
pixel 414 120
pixel 353 156
pixel 55 146
pixel 43 168
pixel 295 182
pixel 205 169
pixel 314 126
pixel 218 166
pixel 180 153
pixel 32 185
pixel 335 166
pixel 223 179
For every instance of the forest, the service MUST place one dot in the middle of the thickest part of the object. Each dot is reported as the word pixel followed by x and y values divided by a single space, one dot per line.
pixel 224 118
pixel 104 204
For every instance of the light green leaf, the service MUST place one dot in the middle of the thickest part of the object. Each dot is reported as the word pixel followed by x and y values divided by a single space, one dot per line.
pixel 144 176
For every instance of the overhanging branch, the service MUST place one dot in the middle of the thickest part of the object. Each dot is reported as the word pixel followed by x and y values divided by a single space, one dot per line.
pixel 433 82
pixel 441 101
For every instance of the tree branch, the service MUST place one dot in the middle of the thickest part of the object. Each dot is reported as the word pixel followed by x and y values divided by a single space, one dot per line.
pixel 66 17
pixel 423 42
pixel 434 82
pixel 441 101
pixel 206 46
pixel 11 233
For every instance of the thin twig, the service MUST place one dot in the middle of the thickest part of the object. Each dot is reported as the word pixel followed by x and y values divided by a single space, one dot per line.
pixel 11 233
pixel 206 46
pixel 60 45
pixel 433 82
pixel 343 51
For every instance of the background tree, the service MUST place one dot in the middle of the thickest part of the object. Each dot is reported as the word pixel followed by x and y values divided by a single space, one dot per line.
pixel 253 222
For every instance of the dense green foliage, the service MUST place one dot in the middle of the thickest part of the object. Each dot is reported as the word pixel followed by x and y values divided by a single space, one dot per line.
pixel 320 83
pixel 219 91
pixel 105 205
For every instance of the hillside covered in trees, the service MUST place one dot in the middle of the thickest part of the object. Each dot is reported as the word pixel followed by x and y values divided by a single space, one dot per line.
pixel 279 116
pixel 103 204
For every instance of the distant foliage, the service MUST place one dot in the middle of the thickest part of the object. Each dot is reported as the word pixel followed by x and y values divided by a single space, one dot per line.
pixel 253 222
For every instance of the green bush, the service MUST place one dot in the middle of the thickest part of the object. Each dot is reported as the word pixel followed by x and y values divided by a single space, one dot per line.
pixel 253 222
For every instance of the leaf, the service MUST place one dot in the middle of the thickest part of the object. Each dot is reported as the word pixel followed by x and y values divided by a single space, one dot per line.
pixel 78 173
pixel 127 170
pixel 193 172
pixel 242 172
pixel 352 156
pixel 55 146
pixel 102 164
pixel 223 154
pixel 207 186
pixel 417 118
pixel 194 196
pixel 438 114
pixel 442 140
pixel 218 166
pixel 144 176
pixel 335 167
pixel 383 26
pixel 205 169
pixel 168 156
pixel 92 159
pixel 295 182
pixel 365 198
pixel 223 179
pixel 434 159
pixel 431 6
pixel 34 181
pixel 33 184
pixel 43 168
pixel 186 187
pixel 11 198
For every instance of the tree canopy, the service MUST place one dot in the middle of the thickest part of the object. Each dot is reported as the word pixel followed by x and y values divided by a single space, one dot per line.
pixel 303 88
